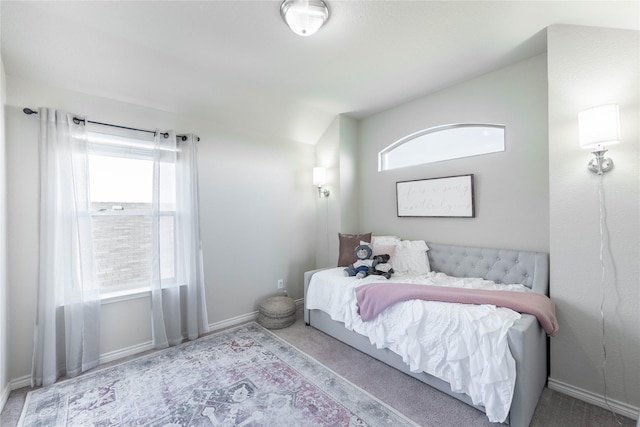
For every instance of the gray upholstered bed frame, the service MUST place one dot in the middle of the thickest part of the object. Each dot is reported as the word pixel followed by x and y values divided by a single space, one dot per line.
pixel 527 340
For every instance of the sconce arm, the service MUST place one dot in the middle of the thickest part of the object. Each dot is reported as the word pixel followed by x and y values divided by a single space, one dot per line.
pixel 600 164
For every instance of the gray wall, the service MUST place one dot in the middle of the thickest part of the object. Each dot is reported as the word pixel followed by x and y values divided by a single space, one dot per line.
pixel 511 188
pixel 590 67
pixel 339 213
pixel 257 210
pixel 328 208
pixel 4 349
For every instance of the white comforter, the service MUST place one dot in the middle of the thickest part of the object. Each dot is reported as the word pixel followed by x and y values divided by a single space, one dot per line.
pixel 464 345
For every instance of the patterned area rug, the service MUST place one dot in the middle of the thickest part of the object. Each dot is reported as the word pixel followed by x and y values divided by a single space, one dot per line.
pixel 245 376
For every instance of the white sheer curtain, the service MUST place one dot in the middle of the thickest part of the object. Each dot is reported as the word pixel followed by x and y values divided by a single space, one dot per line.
pixel 177 275
pixel 66 336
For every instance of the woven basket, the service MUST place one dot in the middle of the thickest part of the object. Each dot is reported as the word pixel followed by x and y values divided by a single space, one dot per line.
pixel 277 312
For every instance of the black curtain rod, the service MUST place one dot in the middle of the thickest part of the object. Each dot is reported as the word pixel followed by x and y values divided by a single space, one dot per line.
pixel 77 121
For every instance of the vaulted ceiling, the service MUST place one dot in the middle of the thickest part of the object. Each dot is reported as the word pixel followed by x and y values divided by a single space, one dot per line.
pixel 236 62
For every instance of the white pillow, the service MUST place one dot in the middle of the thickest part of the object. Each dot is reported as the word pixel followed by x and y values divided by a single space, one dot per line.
pixel 384 240
pixel 411 257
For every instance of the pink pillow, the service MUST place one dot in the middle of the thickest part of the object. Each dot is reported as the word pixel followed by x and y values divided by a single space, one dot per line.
pixel 385 249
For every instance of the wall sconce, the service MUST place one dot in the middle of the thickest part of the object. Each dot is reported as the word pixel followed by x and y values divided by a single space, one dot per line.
pixel 599 127
pixel 319 179
pixel 304 17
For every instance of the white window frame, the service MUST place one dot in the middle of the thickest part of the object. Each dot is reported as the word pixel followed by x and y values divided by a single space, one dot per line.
pixel 431 150
pixel 132 147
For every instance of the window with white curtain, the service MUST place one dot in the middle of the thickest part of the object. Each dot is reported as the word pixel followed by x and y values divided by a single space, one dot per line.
pixel 121 185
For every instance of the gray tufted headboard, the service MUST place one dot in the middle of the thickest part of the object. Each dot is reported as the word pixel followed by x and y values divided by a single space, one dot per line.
pixel 499 265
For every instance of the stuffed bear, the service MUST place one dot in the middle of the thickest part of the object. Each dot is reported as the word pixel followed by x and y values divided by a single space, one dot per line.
pixel 360 268
pixel 381 266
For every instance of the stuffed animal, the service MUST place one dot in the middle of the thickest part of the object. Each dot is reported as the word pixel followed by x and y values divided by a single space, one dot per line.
pixel 360 268
pixel 381 266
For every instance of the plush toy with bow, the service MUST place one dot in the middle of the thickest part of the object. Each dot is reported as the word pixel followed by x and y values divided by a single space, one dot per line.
pixel 381 266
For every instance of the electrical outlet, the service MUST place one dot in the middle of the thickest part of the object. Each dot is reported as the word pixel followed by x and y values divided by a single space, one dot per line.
pixel 280 283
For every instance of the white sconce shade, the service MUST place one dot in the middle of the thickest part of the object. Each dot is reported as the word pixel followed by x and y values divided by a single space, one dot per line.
pixel 319 179
pixel 599 127
pixel 304 17
pixel 319 176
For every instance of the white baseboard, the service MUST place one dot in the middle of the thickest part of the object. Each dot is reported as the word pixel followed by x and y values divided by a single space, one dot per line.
pixel 25 381
pixel 618 407
pixel 4 396
pixel 238 320
pixel 124 352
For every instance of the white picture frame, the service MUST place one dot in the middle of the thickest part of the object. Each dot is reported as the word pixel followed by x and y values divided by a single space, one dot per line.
pixel 445 197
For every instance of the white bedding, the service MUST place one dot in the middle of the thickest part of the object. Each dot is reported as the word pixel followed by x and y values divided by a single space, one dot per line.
pixel 462 344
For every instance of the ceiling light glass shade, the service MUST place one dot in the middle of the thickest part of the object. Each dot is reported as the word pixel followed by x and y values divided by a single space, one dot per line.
pixel 599 127
pixel 304 17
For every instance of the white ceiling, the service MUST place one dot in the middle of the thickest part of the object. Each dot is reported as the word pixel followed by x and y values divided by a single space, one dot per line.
pixel 237 63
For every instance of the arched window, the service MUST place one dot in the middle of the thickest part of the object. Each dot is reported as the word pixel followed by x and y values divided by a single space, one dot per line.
pixel 442 143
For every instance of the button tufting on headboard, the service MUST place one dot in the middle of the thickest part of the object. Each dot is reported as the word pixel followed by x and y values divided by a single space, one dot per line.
pixel 501 266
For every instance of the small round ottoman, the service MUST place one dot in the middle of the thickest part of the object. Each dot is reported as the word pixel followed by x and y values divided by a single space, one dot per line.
pixel 277 312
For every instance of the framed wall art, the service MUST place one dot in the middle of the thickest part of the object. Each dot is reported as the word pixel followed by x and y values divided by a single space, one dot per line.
pixel 446 197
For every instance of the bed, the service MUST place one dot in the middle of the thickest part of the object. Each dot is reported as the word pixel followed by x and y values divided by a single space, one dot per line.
pixel 526 339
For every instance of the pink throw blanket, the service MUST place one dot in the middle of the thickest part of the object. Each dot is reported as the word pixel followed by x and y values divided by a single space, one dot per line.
pixel 375 297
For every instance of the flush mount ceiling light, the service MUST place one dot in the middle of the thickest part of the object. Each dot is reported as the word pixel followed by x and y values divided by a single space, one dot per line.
pixel 304 17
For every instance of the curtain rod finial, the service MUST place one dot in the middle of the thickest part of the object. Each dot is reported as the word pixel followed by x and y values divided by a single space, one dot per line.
pixel 29 111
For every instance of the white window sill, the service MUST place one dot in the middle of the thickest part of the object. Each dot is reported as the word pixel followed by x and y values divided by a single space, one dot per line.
pixel 127 294
pixel 124 295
